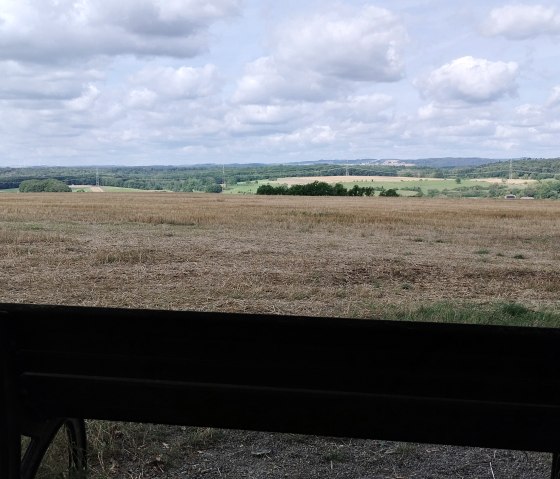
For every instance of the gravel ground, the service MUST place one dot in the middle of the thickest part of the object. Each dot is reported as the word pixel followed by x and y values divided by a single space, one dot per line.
pixel 223 454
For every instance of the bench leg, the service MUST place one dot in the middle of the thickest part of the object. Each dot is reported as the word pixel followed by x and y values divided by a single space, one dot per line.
pixel 10 441
pixel 42 437
pixel 10 446
pixel 77 441
pixel 555 466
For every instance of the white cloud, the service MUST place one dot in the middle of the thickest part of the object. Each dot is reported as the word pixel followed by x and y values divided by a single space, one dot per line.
pixel 528 115
pixel 319 56
pixel 469 128
pixel 372 108
pixel 351 44
pixel 58 30
pixel 141 98
pixel 508 132
pixel 85 101
pixel 21 81
pixel 313 135
pixel 104 81
pixel 552 127
pixel 267 81
pixel 178 83
pixel 519 22
pixel 154 17
pixel 470 80
pixel 353 114
pixel 261 120
pixel 554 98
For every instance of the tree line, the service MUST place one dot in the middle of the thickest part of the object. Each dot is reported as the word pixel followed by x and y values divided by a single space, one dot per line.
pixel 44 186
pixel 321 188
pixel 180 178
pixel 526 168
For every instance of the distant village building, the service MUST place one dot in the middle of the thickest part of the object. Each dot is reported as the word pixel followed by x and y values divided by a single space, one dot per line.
pixel 387 163
pixel 396 163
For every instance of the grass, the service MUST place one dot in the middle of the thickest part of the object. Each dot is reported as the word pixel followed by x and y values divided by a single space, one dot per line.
pixel 500 314
pixel 336 455
pixel 55 460
pixel 114 448
pixel 248 187
pixel 9 190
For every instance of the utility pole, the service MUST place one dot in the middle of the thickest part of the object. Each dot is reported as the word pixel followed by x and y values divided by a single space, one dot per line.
pixel 223 177
pixel 97 177
pixel 510 169
pixel 346 167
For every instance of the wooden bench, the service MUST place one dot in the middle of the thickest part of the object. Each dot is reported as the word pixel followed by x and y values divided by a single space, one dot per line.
pixel 467 385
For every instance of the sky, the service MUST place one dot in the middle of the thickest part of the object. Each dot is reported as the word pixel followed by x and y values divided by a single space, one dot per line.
pixel 179 82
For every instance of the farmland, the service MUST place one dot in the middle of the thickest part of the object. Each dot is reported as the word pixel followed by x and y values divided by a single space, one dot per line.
pixel 406 186
pixel 478 261
pixel 434 178
pixel 358 257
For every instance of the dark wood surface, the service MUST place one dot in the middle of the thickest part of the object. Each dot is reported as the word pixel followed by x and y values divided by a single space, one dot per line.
pixel 437 383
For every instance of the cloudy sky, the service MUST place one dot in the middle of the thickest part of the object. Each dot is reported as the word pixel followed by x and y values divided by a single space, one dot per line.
pixel 138 82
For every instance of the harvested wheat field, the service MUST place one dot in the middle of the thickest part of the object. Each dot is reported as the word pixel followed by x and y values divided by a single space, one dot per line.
pixel 303 180
pixel 358 257
pixel 397 258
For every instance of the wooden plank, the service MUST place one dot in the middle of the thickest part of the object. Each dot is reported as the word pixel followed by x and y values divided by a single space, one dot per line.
pixel 439 383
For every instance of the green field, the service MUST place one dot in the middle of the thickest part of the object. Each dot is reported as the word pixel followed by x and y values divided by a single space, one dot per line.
pixel 403 187
pixel 10 190
pixel 249 187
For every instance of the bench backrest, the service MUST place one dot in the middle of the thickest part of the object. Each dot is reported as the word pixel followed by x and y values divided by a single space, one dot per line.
pixel 438 383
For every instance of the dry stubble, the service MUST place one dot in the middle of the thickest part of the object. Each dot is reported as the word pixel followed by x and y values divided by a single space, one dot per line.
pixel 312 256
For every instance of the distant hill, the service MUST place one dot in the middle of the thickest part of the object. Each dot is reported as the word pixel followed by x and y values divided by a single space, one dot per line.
pixel 450 162
pixel 537 169
pixel 206 178
pixel 447 162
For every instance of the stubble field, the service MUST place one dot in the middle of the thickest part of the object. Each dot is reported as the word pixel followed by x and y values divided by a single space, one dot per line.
pixel 398 258
pixel 321 256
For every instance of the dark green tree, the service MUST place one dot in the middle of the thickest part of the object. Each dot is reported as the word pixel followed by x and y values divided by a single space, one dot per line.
pixel 42 186
pixel 213 189
pixel 389 192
